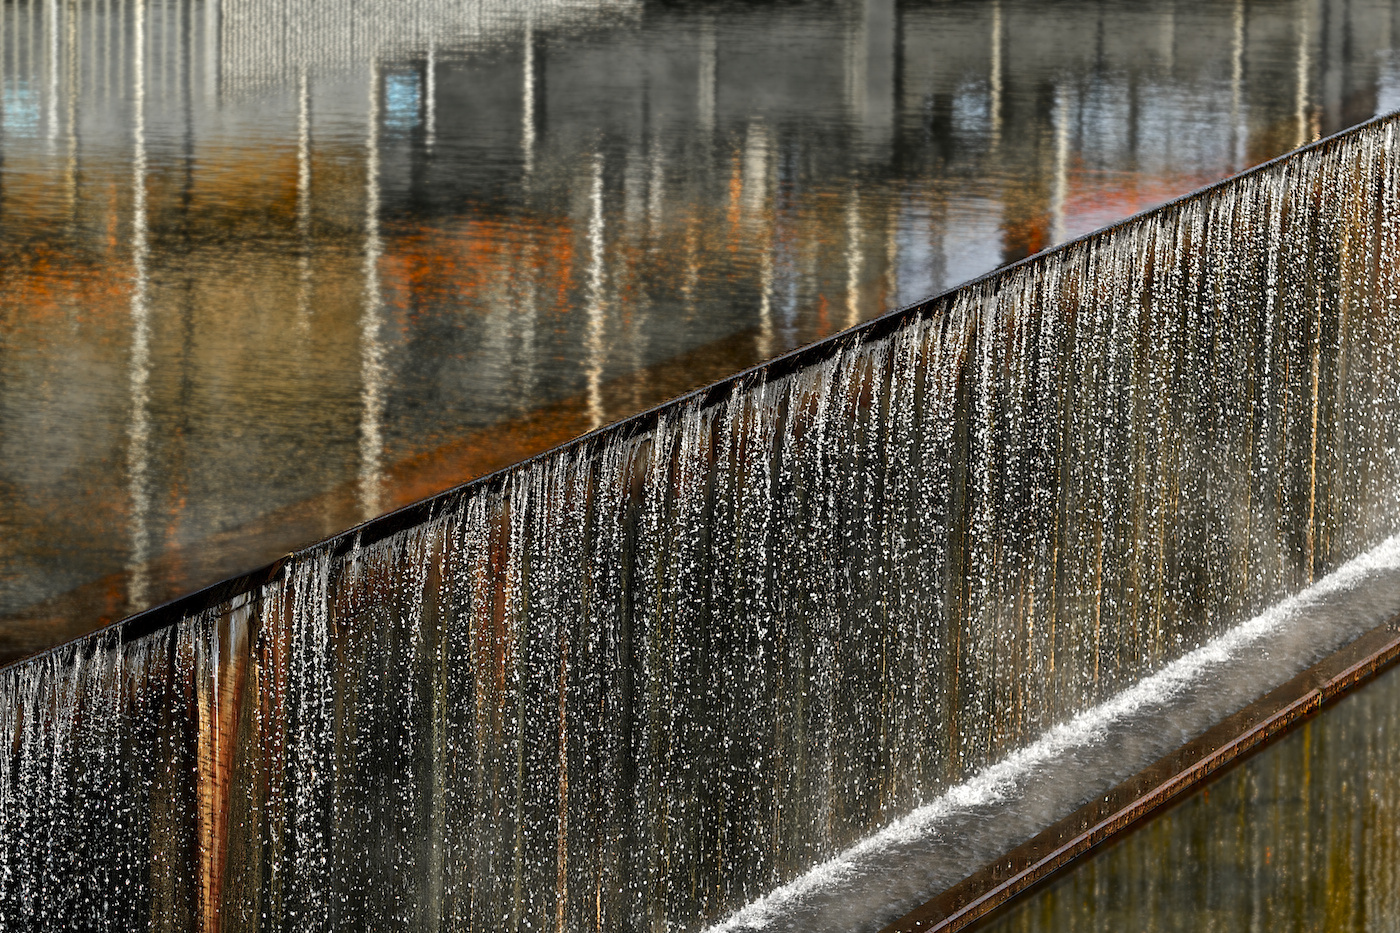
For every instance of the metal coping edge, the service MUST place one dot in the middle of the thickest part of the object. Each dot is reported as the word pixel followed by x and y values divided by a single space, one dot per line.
pixel 981 897
pixel 377 529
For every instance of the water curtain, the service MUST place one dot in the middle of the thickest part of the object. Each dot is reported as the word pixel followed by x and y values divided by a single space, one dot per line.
pixel 636 682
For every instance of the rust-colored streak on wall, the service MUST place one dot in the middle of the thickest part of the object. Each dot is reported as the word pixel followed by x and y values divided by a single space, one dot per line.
pixel 221 695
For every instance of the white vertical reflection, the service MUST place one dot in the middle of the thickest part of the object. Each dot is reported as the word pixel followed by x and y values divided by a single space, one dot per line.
pixel 4 62
pixel 656 188
pixel 594 344
pixel 858 64
pixel 430 98
pixel 1060 182
pixel 111 49
pixel 30 48
pixel 1304 40
pixel 70 111
pixel 163 88
pixel 755 178
pixel 304 200
pixel 757 172
pixel 51 24
pixel 1237 134
pixel 854 260
pixel 178 50
pixel 139 431
pixel 705 102
pixel 212 10
pixel 119 63
pixel 371 349
pixel 527 108
pixel 994 80
pixel 764 340
pixel 87 42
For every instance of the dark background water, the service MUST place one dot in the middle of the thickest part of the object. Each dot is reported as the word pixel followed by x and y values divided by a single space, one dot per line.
pixel 268 269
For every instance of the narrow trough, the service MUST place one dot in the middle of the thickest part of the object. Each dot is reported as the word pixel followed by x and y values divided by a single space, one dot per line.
pixel 1157 787
pixel 797 639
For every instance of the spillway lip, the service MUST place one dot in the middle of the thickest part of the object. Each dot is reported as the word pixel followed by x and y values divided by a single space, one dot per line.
pixel 981 897
pixel 161 616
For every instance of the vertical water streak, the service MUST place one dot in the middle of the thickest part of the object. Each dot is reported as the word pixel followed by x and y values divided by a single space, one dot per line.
pixel 5 62
pixel 854 258
pixel 595 302
pixel 656 188
pixel 527 96
pixel 1059 183
pixel 705 79
pixel 1301 113
pixel 372 370
pixel 71 87
pixel 213 50
pixel 52 55
pixel 857 64
pixel 1238 126
pixel 304 200
pixel 430 98
pixel 139 366
pixel 995 78
pixel 161 50
pixel 763 341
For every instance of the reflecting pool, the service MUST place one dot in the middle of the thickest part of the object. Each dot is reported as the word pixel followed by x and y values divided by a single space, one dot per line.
pixel 272 267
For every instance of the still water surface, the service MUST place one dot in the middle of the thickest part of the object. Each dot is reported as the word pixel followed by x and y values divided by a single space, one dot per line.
pixel 268 268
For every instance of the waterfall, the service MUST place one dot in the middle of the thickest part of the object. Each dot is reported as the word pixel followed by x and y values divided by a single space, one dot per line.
pixel 637 682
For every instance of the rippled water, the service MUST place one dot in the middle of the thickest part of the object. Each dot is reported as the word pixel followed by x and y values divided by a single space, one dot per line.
pixel 268 268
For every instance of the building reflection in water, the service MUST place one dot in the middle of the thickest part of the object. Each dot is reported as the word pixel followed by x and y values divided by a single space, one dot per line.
pixel 270 268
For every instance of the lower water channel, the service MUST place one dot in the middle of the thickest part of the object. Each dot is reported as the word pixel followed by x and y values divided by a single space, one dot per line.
pixel 1303 836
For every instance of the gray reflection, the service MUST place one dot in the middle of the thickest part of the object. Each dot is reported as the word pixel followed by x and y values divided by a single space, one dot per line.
pixel 1237 130
pixel 52 60
pixel 705 81
pixel 1059 185
pixel 527 99
pixel 430 98
pixel 595 307
pixel 139 431
pixel 994 80
pixel 1303 112
pixel 304 201
pixel 372 371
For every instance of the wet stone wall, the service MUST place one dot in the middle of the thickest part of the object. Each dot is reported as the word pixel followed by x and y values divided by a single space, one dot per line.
pixel 638 682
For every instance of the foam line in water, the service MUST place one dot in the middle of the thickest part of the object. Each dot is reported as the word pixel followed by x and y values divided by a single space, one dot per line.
pixel 1004 782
